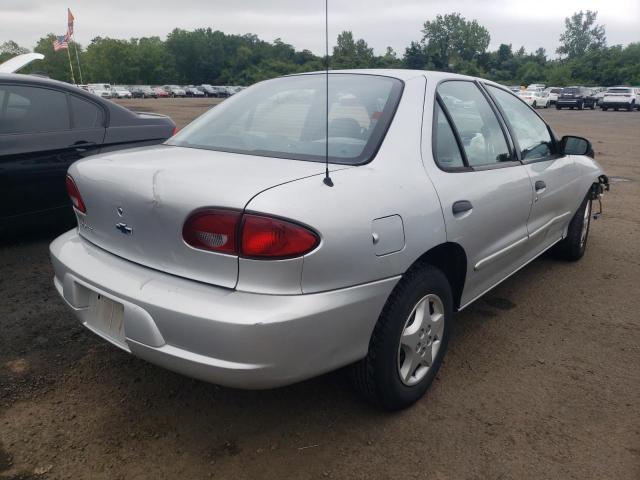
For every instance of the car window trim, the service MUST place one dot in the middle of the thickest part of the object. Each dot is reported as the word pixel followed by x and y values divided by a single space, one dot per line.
pixel 554 156
pixel 468 168
pixel 42 87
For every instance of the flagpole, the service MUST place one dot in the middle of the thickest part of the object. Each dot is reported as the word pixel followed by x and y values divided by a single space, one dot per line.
pixel 75 46
pixel 73 79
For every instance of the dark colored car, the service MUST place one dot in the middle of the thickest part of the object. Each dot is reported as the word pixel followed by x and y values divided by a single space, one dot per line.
pixel 192 91
pixel 142 91
pixel 208 90
pixel 45 126
pixel 576 97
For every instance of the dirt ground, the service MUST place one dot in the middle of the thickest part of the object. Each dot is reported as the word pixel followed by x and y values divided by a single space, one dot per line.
pixel 541 381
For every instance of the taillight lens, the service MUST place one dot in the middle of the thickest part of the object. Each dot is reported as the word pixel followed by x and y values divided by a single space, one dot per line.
pixel 253 236
pixel 74 195
pixel 265 237
pixel 214 230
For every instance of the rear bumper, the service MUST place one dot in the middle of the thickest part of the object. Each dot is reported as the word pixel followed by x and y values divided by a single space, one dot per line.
pixel 228 337
pixel 616 104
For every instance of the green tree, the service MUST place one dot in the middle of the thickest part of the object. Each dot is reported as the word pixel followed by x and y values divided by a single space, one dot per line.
pixel 451 39
pixel 581 34
pixel 10 49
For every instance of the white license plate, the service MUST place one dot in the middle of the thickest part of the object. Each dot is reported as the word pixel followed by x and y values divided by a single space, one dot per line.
pixel 106 316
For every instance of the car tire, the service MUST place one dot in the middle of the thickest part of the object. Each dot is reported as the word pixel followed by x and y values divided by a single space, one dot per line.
pixel 396 373
pixel 630 107
pixel 615 109
pixel 581 106
pixel 573 246
pixel 558 107
pixel 593 106
pixel 535 105
pixel 604 109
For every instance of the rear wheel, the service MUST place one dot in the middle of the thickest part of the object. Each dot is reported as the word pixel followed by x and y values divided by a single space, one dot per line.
pixel 604 109
pixel 558 107
pixel 630 107
pixel 535 105
pixel 408 342
pixel 573 246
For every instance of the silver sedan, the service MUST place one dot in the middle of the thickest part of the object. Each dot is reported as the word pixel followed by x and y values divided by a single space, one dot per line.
pixel 232 255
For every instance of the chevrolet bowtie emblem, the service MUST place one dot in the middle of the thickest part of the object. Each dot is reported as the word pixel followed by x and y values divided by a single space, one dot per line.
pixel 124 228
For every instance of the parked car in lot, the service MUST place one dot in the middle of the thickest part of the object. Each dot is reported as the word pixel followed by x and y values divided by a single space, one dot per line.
pixel 554 93
pixel 45 126
pixel 535 98
pixel 119 91
pixel 438 187
pixel 193 92
pixel 143 91
pixel 616 98
pixel 175 91
pixel 576 97
pixel 161 92
pixel 102 90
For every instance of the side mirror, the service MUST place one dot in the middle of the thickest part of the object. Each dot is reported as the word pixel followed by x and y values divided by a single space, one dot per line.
pixel 570 145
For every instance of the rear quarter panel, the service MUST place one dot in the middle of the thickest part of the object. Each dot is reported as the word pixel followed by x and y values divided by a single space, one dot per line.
pixel 393 183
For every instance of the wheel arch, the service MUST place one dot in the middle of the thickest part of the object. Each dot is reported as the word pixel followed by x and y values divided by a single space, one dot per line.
pixel 451 259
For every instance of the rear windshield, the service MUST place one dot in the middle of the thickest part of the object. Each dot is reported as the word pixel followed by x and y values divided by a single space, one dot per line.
pixel 619 90
pixel 286 118
pixel 556 90
pixel 571 90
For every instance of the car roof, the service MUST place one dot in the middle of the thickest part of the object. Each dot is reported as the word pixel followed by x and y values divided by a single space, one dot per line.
pixel 118 115
pixel 405 74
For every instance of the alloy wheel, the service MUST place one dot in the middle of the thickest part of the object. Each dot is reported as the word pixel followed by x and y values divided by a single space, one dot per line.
pixel 420 339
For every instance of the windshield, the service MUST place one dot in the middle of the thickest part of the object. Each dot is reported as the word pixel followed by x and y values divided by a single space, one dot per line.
pixel 619 90
pixel 286 118
pixel 571 90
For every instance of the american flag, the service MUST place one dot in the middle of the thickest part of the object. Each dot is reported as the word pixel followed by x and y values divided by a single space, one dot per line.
pixel 61 42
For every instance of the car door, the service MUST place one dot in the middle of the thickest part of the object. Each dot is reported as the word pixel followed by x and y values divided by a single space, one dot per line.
pixel 38 143
pixel 553 176
pixel 484 191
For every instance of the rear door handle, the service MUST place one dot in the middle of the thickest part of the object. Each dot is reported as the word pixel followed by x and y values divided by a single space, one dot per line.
pixel 540 186
pixel 461 206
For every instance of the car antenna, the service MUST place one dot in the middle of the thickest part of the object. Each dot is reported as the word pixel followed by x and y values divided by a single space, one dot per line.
pixel 327 179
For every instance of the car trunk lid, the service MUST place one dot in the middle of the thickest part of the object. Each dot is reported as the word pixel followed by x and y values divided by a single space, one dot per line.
pixel 137 202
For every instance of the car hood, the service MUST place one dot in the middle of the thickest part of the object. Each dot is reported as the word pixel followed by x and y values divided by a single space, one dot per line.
pixel 152 190
pixel 20 61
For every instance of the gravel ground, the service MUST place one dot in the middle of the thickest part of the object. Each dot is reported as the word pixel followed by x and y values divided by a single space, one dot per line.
pixel 541 380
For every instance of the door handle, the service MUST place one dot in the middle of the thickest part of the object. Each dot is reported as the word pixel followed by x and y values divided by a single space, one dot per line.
pixel 461 206
pixel 540 186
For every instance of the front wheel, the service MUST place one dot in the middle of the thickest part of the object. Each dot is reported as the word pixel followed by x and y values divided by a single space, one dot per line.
pixel 408 342
pixel 573 246
pixel 535 105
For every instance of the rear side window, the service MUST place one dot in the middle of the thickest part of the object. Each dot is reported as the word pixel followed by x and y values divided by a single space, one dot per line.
pixel 482 137
pixel 32 110
pixel 531 132
pixel 85 114
pixel 446 147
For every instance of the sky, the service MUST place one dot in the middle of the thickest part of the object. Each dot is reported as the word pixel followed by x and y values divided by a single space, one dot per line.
pixel 382 23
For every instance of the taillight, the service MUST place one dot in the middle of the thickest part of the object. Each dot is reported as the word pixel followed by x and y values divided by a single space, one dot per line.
pixel 265 237
pixel 175 130
pixel 253 236
pixel 74 195
pixel 214 230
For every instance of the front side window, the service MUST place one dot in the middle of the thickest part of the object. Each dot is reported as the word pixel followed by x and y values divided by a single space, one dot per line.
pixel 531 132
pixel 286 118
pixel 32 110
pixel 482 137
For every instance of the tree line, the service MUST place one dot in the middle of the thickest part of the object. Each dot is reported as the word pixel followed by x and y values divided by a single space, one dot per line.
pixel 448 43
